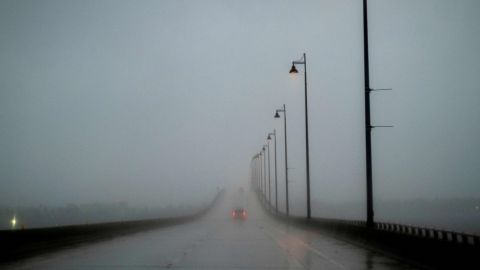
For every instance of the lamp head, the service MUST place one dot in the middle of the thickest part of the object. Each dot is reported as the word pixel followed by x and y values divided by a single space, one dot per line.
pixel 269 138
pixel 14 222
pixel 276 115
pixel 293 70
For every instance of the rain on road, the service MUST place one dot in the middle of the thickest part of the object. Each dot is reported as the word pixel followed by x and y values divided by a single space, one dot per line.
pixel 216 241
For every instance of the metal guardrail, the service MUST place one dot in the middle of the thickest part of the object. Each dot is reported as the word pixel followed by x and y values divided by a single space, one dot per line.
pixel 420 246
pixel 415 231
pixel 430 233
pixel 439 235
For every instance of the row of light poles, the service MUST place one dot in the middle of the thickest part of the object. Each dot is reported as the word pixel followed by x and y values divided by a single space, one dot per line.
pixel 368 129
pixel 256 175
pixel 259 167
pixel 269 138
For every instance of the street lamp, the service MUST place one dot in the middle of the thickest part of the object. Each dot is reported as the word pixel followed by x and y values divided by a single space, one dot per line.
pixel 252 171
pixel 255 172
pixel 264 174
pixel 253 183
pixel 277 115
pixel 274 134
pixel 294 70
pixel 269 173
pixel 260 174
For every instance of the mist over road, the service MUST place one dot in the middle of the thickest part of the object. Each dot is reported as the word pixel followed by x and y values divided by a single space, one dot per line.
pixel 216 241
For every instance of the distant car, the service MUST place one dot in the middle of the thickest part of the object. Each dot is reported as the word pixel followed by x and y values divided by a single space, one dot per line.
pixel 239 213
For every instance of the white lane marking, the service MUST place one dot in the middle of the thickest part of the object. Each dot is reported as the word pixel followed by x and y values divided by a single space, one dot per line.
pixel 309 247
pixel 293 262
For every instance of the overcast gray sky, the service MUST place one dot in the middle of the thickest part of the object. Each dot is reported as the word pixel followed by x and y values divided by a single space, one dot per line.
pixel 159 101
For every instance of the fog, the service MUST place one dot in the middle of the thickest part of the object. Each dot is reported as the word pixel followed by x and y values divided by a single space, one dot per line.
pixel 158 103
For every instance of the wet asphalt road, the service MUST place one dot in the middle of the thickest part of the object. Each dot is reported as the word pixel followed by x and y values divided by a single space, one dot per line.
pixel 216 241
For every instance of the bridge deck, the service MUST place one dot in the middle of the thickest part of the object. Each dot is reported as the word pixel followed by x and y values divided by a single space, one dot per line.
pixel 216 241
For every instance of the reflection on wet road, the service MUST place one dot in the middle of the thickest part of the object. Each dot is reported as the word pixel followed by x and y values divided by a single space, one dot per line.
pixel 216 241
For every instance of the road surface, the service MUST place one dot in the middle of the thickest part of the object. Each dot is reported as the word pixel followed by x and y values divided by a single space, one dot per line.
pixel 216 241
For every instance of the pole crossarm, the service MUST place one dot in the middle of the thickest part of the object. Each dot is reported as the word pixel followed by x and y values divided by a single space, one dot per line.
pixel 302 61
pixel 381 126
pixel 379 89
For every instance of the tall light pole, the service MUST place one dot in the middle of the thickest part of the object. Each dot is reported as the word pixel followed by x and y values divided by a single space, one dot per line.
pixel 284 110
pixel 252 172
pixel 294 70
pixel 261 173
pixel 264 173
pixel 368 126
pixel 274 134
pixel 269 178
pixel 255 171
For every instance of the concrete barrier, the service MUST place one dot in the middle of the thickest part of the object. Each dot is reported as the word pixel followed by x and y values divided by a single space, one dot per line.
pixel 18 244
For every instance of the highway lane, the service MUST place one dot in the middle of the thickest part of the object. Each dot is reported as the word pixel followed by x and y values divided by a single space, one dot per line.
pixel 216 241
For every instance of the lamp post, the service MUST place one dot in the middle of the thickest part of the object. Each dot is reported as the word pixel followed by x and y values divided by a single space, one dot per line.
pixel 274 134
pixel 260 176
pixel 259 173
pixel 255 169
pixel 294 70
pixel 264 174
pixel 252 172
pixel 284 110
pixel 368 126
pixel 269 173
